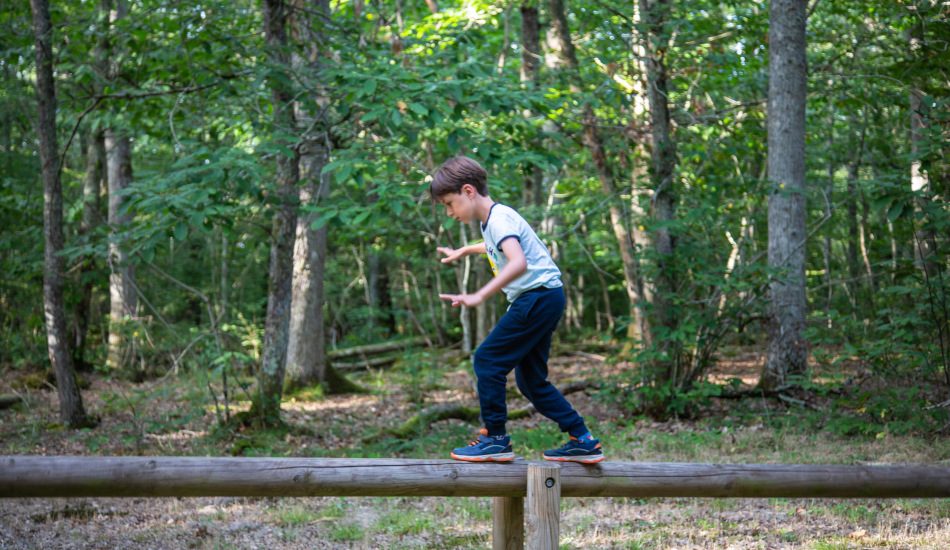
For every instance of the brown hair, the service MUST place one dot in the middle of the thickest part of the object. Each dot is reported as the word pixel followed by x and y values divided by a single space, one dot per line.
pixel 456 172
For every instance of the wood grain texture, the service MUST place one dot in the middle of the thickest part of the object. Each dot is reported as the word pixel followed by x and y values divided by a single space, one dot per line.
pixel 507 523
pixel 72 476
pixel 543 508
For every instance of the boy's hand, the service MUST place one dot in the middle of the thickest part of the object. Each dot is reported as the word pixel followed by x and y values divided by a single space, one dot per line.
pixel 470 300
pixel 451 255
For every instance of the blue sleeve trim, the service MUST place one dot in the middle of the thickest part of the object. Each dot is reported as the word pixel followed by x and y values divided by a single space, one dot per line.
pixel 505 238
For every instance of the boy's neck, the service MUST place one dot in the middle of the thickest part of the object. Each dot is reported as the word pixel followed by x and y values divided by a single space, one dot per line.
pixel 483 204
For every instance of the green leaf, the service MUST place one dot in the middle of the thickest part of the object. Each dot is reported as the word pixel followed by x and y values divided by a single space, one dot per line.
pixel 181 231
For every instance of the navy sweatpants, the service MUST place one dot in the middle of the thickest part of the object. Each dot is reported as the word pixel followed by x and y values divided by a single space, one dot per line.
pixel 521 341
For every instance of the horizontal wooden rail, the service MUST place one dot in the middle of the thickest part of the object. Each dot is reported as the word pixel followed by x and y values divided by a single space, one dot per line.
pixel 88 476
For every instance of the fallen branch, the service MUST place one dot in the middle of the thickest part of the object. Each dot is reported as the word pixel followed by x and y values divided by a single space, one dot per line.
pixel 377 362
pixel 778 393
pixel 7 401
pixel 375 348
pixel 799 402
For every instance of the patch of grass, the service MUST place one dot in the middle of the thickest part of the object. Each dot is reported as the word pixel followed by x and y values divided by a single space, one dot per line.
pixel 831 544
pixel 788 536
pixel 288 535
pixel 856 513
pixel 294 515
pixel 477 509
pixel 311 393
pixel 335 510
pixel 346 532
pixel 455 541
pixel 401 522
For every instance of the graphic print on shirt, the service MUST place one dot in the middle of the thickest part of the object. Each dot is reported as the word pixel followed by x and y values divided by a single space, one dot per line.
pixel 491 259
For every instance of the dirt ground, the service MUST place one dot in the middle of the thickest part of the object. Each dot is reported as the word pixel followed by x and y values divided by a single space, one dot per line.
pixel 164 417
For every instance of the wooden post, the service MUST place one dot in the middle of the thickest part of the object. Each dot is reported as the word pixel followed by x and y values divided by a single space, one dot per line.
pixel 544 506
pixel 508 523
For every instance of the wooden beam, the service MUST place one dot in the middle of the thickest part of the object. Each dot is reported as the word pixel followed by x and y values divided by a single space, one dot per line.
pixel 87 476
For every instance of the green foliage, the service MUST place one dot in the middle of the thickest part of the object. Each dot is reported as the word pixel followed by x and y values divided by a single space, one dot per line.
pixel 401 93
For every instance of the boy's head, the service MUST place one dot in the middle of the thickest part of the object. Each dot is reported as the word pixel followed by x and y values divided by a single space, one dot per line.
pixel 457 185
pixel 456 173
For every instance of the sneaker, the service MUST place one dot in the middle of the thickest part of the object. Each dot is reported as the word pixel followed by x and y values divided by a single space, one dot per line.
pixel 486 449
pixel 585 452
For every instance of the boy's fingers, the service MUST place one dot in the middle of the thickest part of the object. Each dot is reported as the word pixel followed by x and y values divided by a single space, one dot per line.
pixel 450 298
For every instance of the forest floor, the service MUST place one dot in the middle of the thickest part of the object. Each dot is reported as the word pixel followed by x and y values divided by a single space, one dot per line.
pixel 176 415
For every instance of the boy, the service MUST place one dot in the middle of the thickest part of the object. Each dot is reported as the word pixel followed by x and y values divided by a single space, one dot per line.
pixel 522 338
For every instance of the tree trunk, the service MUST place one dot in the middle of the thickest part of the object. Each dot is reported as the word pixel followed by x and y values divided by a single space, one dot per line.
pixel 122 298
pixel 307 362
pixel 924 238
pixel 380 297
pixel 71 410
pixel 306 348
pixel 91 218
pixel 465 313
pixel 532 192
pixel 787 348
pixel 482 314
pixel 561 38
pixel 93 185
pixel 856 243
pixel 265 409
pixel 829 212
pixel 655 14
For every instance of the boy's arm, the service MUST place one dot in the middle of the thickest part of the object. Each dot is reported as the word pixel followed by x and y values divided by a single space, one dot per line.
pixel 516 266
pixel 457 253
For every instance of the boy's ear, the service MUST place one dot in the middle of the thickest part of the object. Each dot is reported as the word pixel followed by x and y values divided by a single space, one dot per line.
pixel 469 190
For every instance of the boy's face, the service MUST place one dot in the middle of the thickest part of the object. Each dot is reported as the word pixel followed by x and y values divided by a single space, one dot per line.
pixel 460 206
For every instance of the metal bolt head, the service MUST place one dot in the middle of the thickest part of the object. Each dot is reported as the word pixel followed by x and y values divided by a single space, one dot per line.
pixel 549 482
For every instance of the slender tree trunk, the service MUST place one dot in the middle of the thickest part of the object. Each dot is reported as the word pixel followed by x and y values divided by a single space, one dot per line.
pixel 123 303
pixel 924 238
pixel 787 348
pixel 854 271
pixel 829 212
pixel 532 192
pixel 655 14
pixel 864 236
pixel 564 45
pixel 71 410
pixel 465 313
pixel 122 297
pixel 93 185
pixel 91 218
pixel 380 296
pixel 266 406
pixel 856 243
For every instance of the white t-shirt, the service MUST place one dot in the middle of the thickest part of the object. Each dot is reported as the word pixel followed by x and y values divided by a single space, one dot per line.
pixel 504 223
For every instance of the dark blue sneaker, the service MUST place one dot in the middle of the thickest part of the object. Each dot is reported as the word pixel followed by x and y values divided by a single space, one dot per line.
pixel 486 449
pixel 585 452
